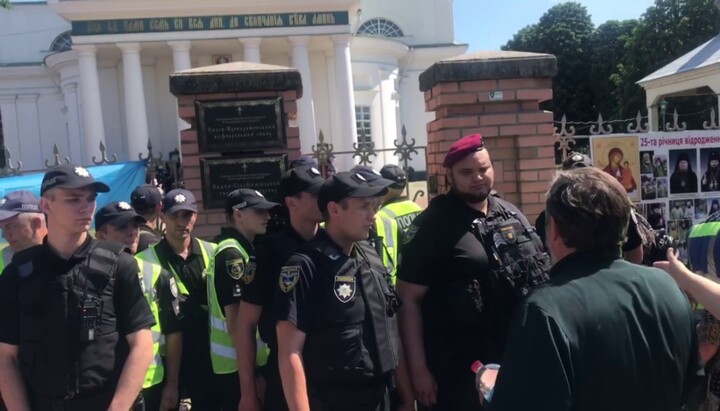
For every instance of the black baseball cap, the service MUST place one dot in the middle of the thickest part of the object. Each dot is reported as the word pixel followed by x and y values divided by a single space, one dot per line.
pixel 373 177
pixel 117 213
pixel 395 174
pixel 71 176
pixel 345 185
pixel 304 161
pixel 17 202
pixel 576 160
pixel 243 198
pixel 179 199
pixel 299 179
pixel 145 196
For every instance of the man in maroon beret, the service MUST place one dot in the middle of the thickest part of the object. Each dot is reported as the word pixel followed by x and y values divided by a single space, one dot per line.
pixel 466 263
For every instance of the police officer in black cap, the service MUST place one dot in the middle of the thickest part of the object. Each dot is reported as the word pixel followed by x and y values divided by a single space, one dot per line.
pixel 337 342
pixel 75 330
pixel 146 200
pixel 298 191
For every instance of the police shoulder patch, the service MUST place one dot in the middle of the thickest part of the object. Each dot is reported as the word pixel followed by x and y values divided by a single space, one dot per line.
pixel 173 287
pixel 250 271
pixel 412 230
pixel 235 268
pixel 289 276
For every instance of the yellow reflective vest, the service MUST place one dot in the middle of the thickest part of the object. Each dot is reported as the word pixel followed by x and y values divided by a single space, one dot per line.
pixel 404 212
pixel 149 275
pixel 387 228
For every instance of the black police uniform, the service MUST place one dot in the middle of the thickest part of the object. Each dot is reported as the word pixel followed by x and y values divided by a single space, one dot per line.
pixel 196 367
pixel 271 252
pixel 463 317
pixel 148 237
pixel 64 364
pixel 346 308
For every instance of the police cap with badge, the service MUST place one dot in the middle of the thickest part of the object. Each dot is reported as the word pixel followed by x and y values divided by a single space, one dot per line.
pixel 243 198
pixel 17 202
pixel 70 176
pixel 117 213
pixel 576 160
pixel 348 184
pixel 179 200
pixel 396 174
pixel 302 178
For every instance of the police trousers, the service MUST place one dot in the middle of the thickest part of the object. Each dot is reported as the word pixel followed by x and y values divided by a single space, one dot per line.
pixel 373 395
pixel 96 401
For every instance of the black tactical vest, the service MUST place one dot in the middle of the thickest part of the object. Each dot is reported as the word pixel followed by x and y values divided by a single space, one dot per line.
pixel 54 360
pixel 349 298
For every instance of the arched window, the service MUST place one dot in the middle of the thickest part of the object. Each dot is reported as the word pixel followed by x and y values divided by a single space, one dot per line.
pixel 62 42
pixel 379 27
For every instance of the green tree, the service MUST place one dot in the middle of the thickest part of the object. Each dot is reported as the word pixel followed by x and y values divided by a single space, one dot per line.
pixel 607 49
pixel 666 31
pixel 565 30
pixel 5 4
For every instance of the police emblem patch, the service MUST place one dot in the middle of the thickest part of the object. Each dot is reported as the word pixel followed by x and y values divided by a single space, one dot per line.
pixel 235 268
pixel 289 276
pixel 412 230
pixel 179 199
pixel 124 206
pixel 81 172
pixel 173 287
pixel 259 194
pixel 344 288
pixel 250 272
pixel 314 171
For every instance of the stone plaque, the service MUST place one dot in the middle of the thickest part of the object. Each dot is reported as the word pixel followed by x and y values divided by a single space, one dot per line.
pixel 235 125
pixel 221 175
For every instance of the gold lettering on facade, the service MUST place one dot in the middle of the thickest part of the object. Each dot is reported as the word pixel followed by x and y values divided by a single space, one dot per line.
pixel 134 26
pixel 264 20
pixel 323 19
pixel 94 27
pixel 217 23
pixel 159 25
pixel 179 24
pixel 297 19
pixel 195 24
pixel 112 26
pixel 234 22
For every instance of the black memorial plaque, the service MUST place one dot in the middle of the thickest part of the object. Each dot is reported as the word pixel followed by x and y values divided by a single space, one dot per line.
pixel 221 175
pixel 234 125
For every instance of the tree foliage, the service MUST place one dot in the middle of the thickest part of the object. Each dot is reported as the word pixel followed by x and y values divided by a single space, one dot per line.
pixel 599 67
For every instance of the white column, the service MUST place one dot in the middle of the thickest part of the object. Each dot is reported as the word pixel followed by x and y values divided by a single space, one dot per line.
pixel 135 113
pixel 305 106
pixel 72 119
pixel 181 61
pixel 93 125
pixel 345 101
pixel 653 121
pixel 251 48
pixel 388 100
pixel 11 134
pixel 29 132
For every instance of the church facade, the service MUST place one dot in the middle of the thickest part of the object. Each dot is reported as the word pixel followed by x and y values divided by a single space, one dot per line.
pixel 77 73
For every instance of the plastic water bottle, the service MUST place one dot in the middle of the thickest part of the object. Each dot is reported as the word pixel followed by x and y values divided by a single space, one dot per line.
pixel 485 376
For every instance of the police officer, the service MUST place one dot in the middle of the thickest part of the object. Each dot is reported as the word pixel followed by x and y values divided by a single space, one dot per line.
pixel 466 263
pixel 335 308
pixel 633 246
pixel 146 200
pixel 298 190
pixel 233 266
pixel 395 204
pixel 21 222
pixel 187 258
pixel 118 222
pixel 385 235
pixel 75 330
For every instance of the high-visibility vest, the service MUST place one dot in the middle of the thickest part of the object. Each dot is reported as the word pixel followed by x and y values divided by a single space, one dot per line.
pixel 222 349
pixel 703 246
pixel 5 257
pixel 207 249
pixel 404 212
pixel 388 229
pixel 149 275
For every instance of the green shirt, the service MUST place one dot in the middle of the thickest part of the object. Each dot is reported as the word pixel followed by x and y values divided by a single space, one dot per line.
pixel 602 334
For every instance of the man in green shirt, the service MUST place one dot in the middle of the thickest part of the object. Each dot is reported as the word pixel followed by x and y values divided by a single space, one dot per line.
pixel 602 333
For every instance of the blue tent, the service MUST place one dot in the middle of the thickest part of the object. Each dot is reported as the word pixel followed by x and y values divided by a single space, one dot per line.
pixel 122 178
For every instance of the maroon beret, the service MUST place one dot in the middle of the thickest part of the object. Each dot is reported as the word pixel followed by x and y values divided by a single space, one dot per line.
pixel 461 148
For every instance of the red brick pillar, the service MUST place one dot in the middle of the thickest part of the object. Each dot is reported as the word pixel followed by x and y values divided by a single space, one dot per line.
pixel 496 94
pixel 232 81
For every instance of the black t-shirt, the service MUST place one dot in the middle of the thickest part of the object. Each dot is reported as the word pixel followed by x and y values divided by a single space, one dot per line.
pixel 232 272
pixel 441 252
pixel 271 252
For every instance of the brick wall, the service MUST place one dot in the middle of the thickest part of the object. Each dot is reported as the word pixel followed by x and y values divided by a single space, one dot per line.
pixel 517 134
pixel 209 221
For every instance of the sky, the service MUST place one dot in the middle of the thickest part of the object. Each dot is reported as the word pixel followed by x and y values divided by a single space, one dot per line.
pixel 489 24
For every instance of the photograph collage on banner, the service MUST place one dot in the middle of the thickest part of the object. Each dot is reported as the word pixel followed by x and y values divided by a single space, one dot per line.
pixel 672 177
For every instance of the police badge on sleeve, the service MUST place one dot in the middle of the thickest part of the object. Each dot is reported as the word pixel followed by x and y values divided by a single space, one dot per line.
pixel 235 268
pixel 344 288
pixel 250 271
pixel 289 276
